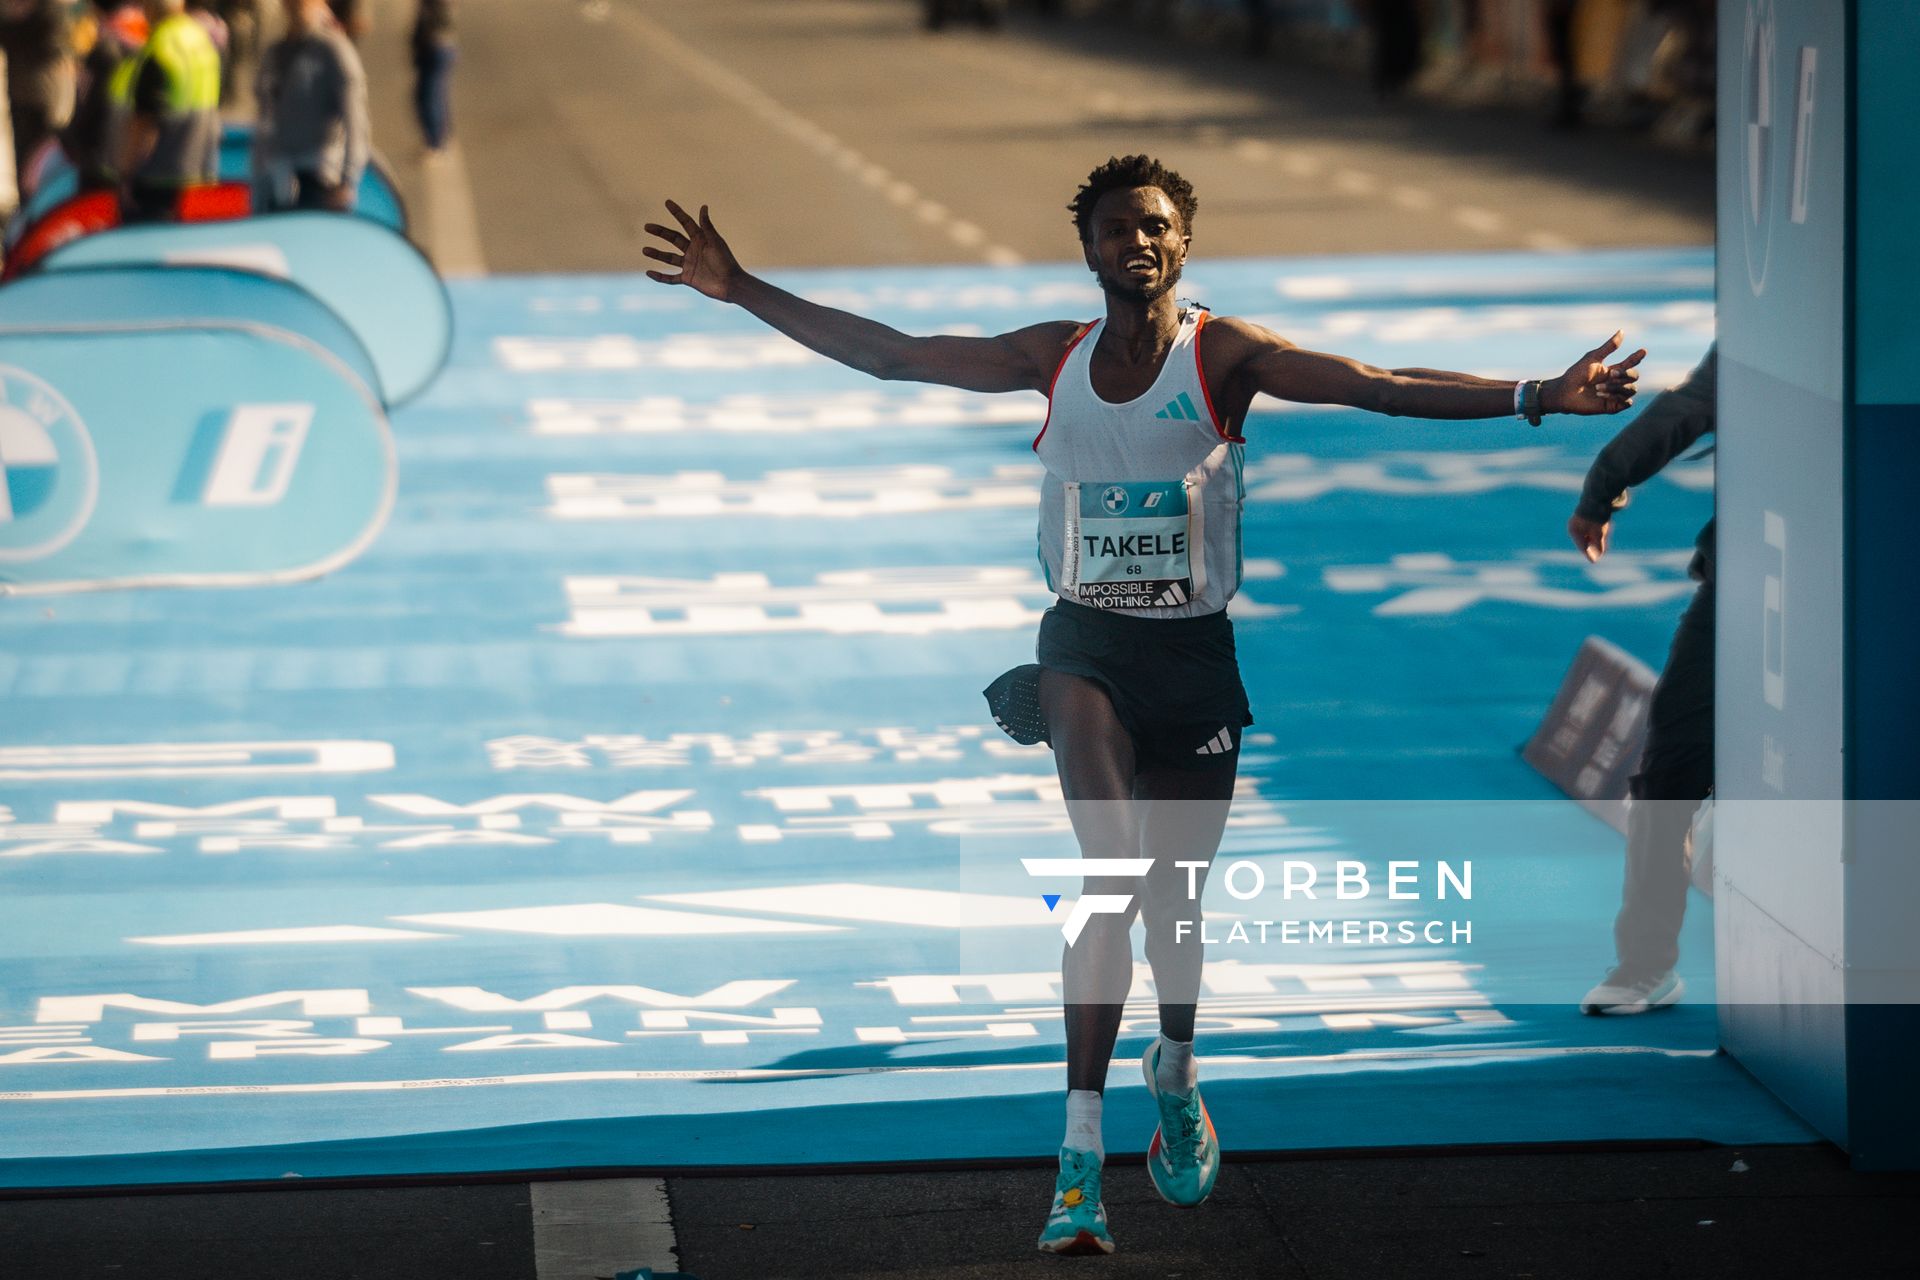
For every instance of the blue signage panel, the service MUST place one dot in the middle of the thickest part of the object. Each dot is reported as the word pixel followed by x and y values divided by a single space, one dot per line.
pixel 215 455
pixel 1780 886
pixel 377 281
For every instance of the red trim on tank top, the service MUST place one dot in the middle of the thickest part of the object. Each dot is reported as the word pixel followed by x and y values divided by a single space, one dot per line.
pixel 1061 368
pixel 1201 371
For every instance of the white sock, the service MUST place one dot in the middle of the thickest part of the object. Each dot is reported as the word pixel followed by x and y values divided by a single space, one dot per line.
pixel 1083 1123
pixel 1176 1072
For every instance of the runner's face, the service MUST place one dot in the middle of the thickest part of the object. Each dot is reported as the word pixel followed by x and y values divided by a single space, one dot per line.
pixel 1137 245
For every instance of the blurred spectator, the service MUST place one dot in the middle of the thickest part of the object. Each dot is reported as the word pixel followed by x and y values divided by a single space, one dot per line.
pixel 204 13
pixel 1259 26
pixel 434 51
pixel 1569 93
pixel 243 41
pixel 312 139
pixel 986 13
pixel 120 29
pixel 1394 26
pixel 34 38
pixel 166 101
pixel 354 16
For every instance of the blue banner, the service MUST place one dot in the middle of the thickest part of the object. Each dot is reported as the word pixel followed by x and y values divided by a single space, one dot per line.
pixel 376 281
pixel 86 296
pixel 378 200
pixel 184 453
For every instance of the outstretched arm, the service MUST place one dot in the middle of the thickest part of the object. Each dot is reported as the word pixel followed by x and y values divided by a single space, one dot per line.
pixel 1023 360
pixel 1277 367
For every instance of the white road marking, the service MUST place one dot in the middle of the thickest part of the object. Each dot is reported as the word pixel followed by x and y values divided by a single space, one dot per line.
pixel 809 134
pixel 1103 102
pixel 453 228
pixel 1485 221
pixel 1352 182
pixel 591 1230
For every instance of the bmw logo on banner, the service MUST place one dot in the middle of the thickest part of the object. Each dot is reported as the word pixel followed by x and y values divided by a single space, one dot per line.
pixel 48 478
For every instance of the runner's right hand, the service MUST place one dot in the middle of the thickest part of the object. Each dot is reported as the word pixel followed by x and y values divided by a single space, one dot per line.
pixel 706 263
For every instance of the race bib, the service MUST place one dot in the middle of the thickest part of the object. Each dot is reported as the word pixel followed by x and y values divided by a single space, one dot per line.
pixel 1133 546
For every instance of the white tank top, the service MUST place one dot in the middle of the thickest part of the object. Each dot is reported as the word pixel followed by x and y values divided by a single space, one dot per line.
pixel 1140 507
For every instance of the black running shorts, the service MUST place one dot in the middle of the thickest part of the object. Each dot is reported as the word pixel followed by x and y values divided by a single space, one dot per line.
pixel 1174 682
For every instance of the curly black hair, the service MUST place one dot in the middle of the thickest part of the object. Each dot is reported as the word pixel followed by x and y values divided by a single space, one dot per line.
pixel 1121 172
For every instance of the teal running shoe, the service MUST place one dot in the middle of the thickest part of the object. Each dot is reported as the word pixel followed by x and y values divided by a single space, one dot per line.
pixel 1078 1223
pixel 1184 1157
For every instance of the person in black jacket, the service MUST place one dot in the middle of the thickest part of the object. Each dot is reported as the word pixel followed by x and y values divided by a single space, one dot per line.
pixel 90 139
pixel 1676 766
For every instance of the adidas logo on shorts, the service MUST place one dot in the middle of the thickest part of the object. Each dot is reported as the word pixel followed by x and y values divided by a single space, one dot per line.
pixel 1219 744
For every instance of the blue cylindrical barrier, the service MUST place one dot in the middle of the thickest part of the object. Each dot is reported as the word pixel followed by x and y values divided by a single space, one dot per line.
pixel 85 296
pixel 376 281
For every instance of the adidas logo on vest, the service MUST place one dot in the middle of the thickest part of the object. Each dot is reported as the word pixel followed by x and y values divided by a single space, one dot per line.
pixel 1218 745
pixel 1173 595
pixel 1180 410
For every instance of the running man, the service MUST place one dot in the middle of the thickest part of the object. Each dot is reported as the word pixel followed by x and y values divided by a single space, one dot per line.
pixel 1137 688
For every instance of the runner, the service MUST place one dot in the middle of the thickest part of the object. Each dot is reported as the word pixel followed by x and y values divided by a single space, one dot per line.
pixel 1137 688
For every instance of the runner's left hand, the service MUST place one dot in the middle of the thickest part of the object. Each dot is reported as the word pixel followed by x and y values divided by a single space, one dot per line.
pixel 1591 385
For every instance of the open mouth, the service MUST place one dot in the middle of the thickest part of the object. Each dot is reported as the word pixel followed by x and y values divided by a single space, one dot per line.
pixel 1140 264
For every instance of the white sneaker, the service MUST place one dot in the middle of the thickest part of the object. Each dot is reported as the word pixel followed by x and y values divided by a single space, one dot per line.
pixel 1626 992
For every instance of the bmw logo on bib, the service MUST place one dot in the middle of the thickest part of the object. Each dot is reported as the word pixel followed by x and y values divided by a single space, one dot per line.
pixel 48 478
pixel 1114 499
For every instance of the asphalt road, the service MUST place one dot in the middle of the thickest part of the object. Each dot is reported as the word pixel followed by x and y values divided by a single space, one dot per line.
pixel 839 133
pixel 1705 1214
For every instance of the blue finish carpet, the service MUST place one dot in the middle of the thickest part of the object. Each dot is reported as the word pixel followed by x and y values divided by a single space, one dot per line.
pixel 631 802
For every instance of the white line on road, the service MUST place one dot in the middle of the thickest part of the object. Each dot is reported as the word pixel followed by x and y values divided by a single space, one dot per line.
pixel 591 1230
pixel 748 95
pixel 1103 102
pixel 1352 182
pixel 1485 221
pixel 453 227
pixel 1548 242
